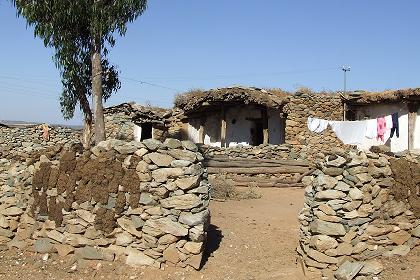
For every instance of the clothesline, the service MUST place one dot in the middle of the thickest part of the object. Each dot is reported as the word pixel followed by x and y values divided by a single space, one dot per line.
pixel 355 132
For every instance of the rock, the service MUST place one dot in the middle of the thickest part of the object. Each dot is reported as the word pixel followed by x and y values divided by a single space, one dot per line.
pixel 124 239
pixel 127 225
pixel 191 219
pixel 161 160
pixel 356 194
pixel 180 163
pixel 399 237
pixel 127 148
pixel 91 253
pixel 341 186
pixel 320 257
pixel 11 211
pixel 330 194
pixel 326 181
pixel 359 247
pixel 195 261
pixel 4 223
pixel 416 231
pixel 396 208
pixel 190 146
pixel 350 206
pixel 351 215
pixel 323 242
pixel 163 174
pixel 63 250
pixel 136 258
pixel 348 270
pixel 332 171
pixel 194 247
pixel 326 209
pixel 152 144
pixel 337 162
pixel 171 143
pixel 43 245
pixel 168 239
pixel 86 215
pixel 372 230
pixel 372 267
pixel 6 233
pixel 344 249
pixel 188 182
pixel 57 236
pixel 183 154
pixel 166 225
pixel 171 254
pixel 146 199
pixel 401 250
pixel 327 228
pixel 186 201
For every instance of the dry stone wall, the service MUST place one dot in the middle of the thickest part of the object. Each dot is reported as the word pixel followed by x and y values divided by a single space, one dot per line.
pixel 143 202
pixel 302 106
pixel 359 207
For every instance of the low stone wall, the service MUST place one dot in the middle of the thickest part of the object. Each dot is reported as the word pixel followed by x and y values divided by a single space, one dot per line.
pixel 357 207
pixel 22 143
pixel 143 202
pixel 252 152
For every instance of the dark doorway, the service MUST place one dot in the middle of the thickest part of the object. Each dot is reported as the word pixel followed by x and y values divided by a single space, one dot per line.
pixel 146 131
pixel 257 135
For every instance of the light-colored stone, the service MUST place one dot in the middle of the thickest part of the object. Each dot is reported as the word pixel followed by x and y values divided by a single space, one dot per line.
pixel 356 194
pixel 191 219
pixel 11 211
pixel 137 258
pixel 323 242
pixel 127 225
pixel 330 194
pixel 186 201
pixel 348 270
pixel 372 267
pixel 194 247
pixel 163 174
pixel 124 239
pixel 63 249
pixel 188 182
pixel 88 216
pixel 399 237
pixel 171 254
pixel 161 160
pixel 166 225
pixel 327 228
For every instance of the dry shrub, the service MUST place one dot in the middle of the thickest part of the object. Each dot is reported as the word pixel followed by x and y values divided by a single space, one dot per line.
pixel 226 189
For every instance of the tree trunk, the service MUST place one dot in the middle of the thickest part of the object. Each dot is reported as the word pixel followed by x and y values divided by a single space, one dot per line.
pixel 97 91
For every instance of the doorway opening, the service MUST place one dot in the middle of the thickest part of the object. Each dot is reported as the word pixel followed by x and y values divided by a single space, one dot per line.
pixel 146 131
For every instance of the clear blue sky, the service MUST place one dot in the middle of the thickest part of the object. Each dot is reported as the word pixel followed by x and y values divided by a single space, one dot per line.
pixel 206 44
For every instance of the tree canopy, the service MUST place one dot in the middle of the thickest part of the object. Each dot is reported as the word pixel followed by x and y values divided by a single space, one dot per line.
pixel 78 30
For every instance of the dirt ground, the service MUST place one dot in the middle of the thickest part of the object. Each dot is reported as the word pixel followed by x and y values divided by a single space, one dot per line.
pixel 249 240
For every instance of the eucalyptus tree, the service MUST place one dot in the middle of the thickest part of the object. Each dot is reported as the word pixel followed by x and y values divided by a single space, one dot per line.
pixel 82 32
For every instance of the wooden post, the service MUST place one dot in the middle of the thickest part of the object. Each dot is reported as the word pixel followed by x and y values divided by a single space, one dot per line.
pixel 412 115
pixel 265 126
pixel 223 126
pixel 201 130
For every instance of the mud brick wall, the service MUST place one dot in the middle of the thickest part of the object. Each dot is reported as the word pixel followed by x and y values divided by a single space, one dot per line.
pixel 300 107
pixel 357 207
pixel 145 203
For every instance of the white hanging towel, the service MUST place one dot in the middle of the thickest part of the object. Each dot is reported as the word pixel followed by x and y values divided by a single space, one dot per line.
pixel 317 125
pixel 371 129
pixel 350 132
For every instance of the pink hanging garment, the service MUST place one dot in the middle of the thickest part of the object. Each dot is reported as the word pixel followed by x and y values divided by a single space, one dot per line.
pixel 381 128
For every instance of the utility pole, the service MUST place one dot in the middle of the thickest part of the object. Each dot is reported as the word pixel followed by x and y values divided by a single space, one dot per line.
pixel 345 70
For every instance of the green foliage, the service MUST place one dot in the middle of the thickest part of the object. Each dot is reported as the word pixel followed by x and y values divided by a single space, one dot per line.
pixel 70 26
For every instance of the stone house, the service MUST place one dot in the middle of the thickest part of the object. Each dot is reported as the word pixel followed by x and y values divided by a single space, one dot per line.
pixel 371 105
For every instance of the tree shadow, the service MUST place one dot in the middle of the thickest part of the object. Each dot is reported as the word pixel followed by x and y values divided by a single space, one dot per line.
pixel 214 237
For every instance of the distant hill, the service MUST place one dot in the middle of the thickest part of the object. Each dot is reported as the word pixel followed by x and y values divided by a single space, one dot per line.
pixel 28 124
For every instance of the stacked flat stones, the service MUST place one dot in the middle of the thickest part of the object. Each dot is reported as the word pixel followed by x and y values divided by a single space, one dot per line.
pixel 149 207
pixel 21 143
pixel 251 152
pixel 351 216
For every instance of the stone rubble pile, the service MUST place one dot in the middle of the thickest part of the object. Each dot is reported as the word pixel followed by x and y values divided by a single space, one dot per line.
pixel 358 207
pixel 143 202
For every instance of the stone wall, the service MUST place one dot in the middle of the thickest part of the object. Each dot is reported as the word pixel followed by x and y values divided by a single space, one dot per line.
pixel 297 111
pixel 145 203
pixel 23 142
pixel 252 152
pixel 358 207
pixel 119 126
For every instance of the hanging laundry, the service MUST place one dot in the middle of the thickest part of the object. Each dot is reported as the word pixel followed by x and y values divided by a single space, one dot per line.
pixel 317 125
pixel 381 128
pixel 371 129
pixel 350 132
pixel 395 126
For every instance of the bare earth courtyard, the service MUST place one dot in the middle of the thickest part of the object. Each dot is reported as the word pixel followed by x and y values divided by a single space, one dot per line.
pixel 248 239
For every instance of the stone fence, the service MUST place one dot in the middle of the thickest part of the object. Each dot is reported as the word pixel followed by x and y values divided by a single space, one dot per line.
pixel 145 203
pixel 358 207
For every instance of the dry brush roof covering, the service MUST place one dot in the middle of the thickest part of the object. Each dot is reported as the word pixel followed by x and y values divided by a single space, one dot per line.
pixel 139 113
pixel 195 99
pixel 389 96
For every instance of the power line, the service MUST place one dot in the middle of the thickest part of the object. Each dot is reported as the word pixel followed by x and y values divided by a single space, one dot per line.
pixel 150 84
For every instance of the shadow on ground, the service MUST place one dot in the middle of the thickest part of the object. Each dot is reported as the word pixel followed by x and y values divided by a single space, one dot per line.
pixel 214 237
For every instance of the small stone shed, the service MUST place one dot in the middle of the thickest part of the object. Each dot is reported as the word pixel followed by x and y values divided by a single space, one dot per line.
pixel 232 116
pixel 131 121
pixel 371 105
